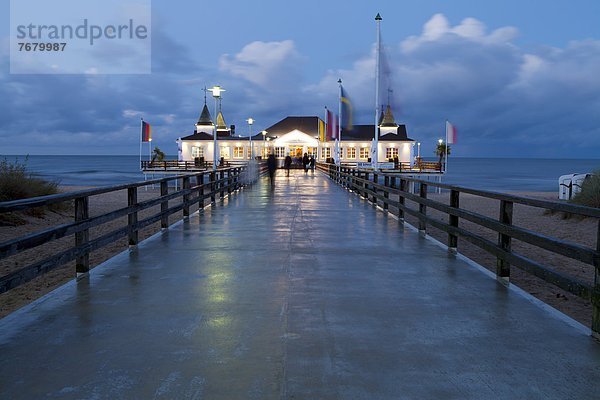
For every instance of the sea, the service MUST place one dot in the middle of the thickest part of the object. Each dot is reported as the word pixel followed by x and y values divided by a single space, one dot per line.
pixel 498 174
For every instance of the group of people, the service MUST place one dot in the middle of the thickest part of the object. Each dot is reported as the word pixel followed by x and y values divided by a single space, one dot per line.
pixel 307 163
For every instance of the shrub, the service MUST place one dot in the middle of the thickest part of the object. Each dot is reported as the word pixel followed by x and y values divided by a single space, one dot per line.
pixel 16 183
pixel 590 192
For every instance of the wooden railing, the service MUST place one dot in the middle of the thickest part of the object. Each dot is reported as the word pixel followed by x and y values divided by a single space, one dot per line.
pixel 420 166
pixel 193 190
pixel 377 188
pixel 169 165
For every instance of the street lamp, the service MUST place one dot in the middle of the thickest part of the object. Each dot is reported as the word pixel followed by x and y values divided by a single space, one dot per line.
pixel 250 122
pixel 419 150
pixel 216 92
pixel 264 133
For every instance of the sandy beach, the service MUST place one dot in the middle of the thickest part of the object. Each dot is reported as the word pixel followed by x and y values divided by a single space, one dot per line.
pixel 575 230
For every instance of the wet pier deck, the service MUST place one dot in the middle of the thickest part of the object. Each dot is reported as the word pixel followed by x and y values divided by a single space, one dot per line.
pixel 301 292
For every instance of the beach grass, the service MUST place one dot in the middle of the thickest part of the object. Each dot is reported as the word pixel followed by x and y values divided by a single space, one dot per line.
pixel 590 192
pixel 17 182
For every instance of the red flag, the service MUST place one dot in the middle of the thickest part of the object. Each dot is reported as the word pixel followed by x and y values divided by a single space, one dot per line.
pixel 146 132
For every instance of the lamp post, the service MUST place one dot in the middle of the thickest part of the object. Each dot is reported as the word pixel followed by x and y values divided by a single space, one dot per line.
pixel 419 150
pixel 216 92
pixel 264 133
pixel 250 122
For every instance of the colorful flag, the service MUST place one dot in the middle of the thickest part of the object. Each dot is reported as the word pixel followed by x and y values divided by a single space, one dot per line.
pixel 346 110
pixel 450 133
pixel 322 130
pixel 146 132
pixel 330 134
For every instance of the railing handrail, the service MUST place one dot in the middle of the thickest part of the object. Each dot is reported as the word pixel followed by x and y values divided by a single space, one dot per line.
pixel 40 201
pixel 221 181
pixel 360 182
pixel 525 200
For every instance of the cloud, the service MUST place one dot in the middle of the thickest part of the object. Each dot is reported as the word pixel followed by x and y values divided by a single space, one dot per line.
pixel 265 64
pixel 506 101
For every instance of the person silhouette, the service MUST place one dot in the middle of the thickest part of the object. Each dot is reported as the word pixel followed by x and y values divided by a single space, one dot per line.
pixel 287 164
pixel 272 166
pixel 305 162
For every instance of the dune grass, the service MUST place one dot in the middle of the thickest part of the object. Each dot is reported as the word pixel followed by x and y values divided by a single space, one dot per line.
pixel 16 183
pixel 590 192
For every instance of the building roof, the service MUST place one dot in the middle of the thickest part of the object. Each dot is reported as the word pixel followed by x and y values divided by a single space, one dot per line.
pixel 367 132
pixel 308 125
pixel 198 136
pixel 205 118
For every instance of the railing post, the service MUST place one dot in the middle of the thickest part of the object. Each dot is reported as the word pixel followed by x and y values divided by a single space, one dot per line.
pixel 82 263
pixel 453 220
pixel 504 241
pixel 164 206
pixel 386 194
pixel 401 200
pixel 222 184
pixel 363 185
pixel 236 178
pixel 132 218
pixel 186 197
pixel 201 190
pixel 422 208
pixel 374 188
pixel 596 291
pixel 213 186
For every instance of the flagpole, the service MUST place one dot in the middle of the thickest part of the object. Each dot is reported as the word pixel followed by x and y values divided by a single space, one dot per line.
pixel 339 133
pixel 446 148
pixel 324 135
pixel 141 139
pixel 377 56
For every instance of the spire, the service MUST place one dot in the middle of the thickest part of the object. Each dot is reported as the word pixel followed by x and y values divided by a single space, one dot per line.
pixel 221 125
pixel 388 118
pixel 205 116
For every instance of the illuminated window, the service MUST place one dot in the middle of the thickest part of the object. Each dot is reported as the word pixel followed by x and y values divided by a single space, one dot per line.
pixel 391 152
pixel 197 151
pixel 267 151
pixel 280 152
pixel 326 152
pixel 225 152
pixel 341 152
pixel 312 151
pixel 238 152
pixel 351 152
pixel 363 154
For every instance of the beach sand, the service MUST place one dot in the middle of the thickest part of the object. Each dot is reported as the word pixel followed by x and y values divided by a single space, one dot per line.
pixel 575 230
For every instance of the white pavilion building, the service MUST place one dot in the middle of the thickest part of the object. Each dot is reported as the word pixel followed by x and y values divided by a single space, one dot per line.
pixel 296 136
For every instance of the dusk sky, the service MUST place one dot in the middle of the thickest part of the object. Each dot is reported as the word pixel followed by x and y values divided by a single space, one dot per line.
pixel 518 78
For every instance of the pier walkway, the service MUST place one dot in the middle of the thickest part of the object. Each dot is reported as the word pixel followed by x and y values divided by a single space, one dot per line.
pixel 301 292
